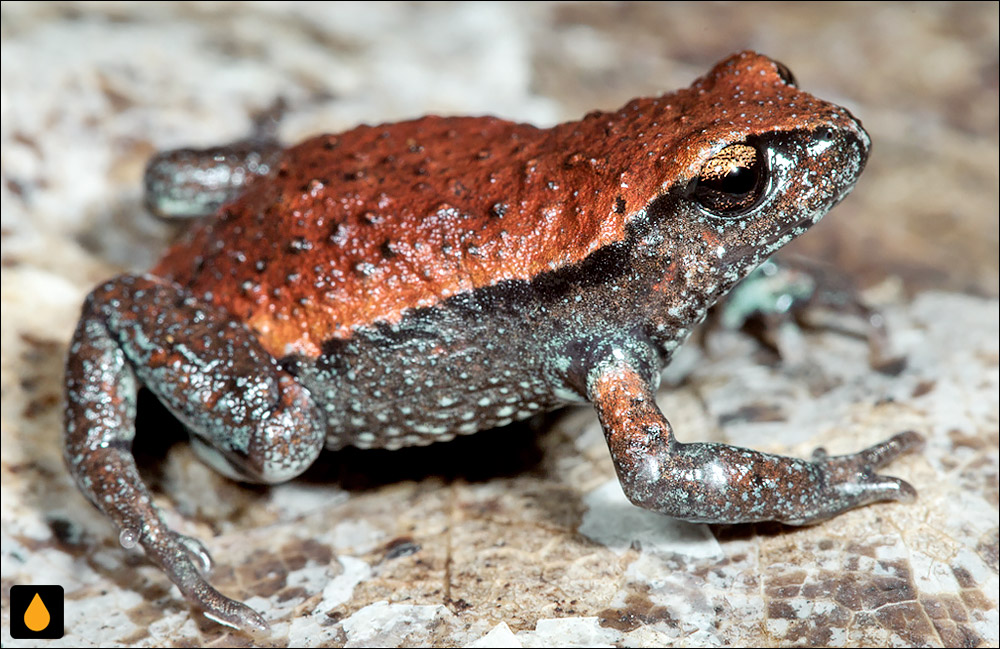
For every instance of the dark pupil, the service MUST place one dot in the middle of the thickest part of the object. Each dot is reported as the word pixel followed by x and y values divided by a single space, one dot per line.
pixel 738 180
pixel 731 182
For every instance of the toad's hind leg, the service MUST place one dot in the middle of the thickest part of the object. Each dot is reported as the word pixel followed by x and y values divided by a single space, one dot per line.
pixel 718 483
pixel 251 419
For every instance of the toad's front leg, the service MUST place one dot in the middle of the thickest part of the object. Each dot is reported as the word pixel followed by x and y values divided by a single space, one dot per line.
pixel 248 418
pixel 718 483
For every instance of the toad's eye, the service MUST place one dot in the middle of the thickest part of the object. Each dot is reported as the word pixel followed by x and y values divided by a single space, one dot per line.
pixel 732 181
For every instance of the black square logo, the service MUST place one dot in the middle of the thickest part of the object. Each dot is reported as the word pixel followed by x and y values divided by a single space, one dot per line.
pixel 36 612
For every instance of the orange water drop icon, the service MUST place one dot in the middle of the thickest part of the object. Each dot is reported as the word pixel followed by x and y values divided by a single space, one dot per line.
pixel 37 616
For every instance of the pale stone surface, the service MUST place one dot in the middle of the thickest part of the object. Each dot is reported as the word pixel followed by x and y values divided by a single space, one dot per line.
pixel 518 533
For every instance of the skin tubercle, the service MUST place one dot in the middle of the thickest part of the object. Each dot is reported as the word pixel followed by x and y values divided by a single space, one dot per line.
pixel 356 228
pixel 402 284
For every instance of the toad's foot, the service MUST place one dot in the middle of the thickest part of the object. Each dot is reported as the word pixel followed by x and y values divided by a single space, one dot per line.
pixel 718 483
pixel 185 560
pixel 210 372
